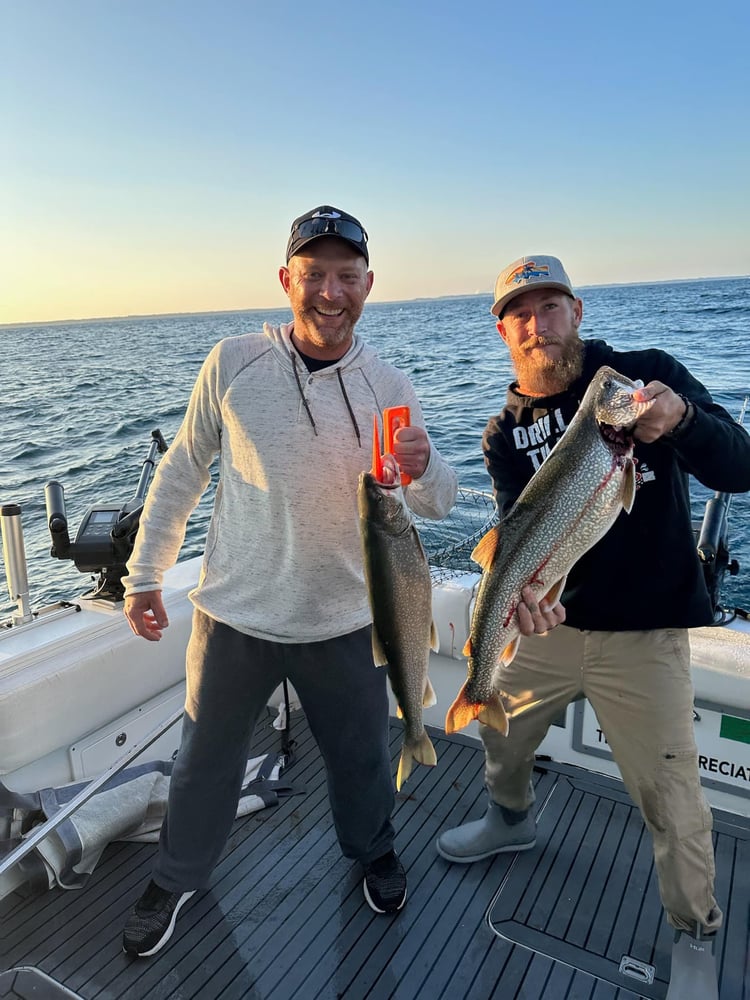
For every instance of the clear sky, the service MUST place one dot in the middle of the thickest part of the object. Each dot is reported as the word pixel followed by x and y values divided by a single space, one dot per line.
pixel 155 152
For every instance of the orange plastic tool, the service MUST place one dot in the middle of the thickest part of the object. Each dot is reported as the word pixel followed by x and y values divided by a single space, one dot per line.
pixel 377 461
pixel 393 418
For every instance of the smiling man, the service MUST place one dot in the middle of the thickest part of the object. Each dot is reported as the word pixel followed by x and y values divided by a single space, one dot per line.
pixel 327 281
pixel 282 594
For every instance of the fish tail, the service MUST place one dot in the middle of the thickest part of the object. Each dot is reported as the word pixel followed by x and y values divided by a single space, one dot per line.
pixel 422 751
pixel 404 768
pixel 462 712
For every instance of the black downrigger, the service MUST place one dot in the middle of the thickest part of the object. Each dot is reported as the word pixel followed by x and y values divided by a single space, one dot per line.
pixel 106 534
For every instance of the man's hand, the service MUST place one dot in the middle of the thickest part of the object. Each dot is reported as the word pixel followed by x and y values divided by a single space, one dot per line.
pixel 665 412
pixel 411 449
pixel 539 617
pixel 146 614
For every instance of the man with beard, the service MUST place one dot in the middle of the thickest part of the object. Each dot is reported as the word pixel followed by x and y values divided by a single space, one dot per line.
pixel 626 606
pixel 289 415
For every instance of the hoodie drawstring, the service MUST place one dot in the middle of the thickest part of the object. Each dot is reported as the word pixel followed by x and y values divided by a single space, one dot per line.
pixel 353 419
pixel 355 425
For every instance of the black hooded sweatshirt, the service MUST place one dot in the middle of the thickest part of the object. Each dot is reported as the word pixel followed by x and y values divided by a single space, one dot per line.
pixel 645 572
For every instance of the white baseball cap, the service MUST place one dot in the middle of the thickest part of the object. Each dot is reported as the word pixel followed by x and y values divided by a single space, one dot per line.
pixel 535 271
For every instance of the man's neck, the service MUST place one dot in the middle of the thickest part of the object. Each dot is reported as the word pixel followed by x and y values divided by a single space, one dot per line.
pixel 542 388
pixel 314 364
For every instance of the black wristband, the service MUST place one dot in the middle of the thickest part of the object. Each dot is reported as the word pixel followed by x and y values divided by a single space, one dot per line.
pixel 685 420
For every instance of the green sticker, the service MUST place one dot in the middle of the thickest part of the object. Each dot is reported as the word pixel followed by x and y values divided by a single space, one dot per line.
pixel 736 729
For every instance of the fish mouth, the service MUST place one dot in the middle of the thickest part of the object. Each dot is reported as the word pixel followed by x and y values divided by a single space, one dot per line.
pixel 383 465
pixel 618 436
pixel 388 476
pixel 381 485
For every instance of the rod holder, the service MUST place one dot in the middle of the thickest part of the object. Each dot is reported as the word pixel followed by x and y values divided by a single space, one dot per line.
pixel 14 553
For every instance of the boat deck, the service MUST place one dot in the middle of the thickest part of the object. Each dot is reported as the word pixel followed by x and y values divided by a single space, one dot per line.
pixel 285 916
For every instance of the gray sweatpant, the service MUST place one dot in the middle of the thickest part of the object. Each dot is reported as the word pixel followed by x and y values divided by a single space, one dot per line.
pixel 230 677
pixel 640 687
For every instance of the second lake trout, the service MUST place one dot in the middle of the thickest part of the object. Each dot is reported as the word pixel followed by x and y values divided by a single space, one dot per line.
pixel 570 502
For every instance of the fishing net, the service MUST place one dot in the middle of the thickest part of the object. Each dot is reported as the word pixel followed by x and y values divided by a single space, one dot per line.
pixel 450 542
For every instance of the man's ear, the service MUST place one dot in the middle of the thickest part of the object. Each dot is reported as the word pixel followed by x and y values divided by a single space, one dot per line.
pixel 577 312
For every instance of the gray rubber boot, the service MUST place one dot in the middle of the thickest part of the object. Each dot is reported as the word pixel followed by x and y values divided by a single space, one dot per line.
pixel 492 834
pixel 693 975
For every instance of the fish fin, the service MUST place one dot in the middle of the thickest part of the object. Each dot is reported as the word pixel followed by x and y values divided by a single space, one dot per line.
pixel 628 486
pixel 555 592
pixel 404 768
pixel 486 548
pixel 493 714
pixel 434 638
pixel 461 712
pixel 467 651
pixel 422 751
pixel 510 650
pixel 429 698
pixel 378 652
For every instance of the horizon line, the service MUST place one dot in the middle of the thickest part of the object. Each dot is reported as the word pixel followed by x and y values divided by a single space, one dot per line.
pixel 418 298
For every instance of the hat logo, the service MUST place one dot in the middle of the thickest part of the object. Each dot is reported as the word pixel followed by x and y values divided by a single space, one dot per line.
pixel 524 272
pixel 326 215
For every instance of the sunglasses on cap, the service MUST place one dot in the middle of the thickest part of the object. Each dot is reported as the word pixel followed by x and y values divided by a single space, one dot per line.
pixel 323 226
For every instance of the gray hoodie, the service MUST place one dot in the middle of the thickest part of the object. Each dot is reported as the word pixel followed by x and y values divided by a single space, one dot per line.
pixel 282 558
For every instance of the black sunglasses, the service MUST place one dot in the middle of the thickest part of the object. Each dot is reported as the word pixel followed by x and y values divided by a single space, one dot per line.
pixel 330 227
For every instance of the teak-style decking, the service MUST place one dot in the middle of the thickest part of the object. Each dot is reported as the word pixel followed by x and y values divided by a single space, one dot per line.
pixel 285 917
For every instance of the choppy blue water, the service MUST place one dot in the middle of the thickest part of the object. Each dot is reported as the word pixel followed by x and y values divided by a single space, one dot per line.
pixel 81 399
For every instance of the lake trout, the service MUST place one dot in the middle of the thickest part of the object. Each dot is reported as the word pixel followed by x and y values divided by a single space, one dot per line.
pixel 570 502
pixel 400 591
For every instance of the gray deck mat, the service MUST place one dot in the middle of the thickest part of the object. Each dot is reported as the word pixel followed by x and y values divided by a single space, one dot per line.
pixel 285 919
pixel 588 897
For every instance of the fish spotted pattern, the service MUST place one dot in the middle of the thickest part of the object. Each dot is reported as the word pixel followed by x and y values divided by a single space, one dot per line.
pixel 570 502
pixel 400 592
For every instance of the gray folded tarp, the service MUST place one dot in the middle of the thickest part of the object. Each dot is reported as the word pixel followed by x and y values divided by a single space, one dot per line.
pixel 130 807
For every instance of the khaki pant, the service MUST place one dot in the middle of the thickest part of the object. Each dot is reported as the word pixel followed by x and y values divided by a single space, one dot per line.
pixel 640 687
